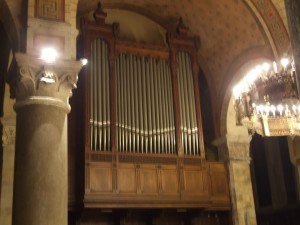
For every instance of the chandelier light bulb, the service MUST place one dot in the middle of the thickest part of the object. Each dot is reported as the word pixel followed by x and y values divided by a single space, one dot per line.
pixel 287 111
pixel 275 67
pixel 284 62
pixel 280 109
pixel 294 109
pixel 273 108
pixel 298 108
pixel 250 77
pixel 258 69
pixel 267 109
pixel 266 67
pixel 236 91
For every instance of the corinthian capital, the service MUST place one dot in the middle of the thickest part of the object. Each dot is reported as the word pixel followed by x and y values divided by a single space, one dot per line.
pixel 39 82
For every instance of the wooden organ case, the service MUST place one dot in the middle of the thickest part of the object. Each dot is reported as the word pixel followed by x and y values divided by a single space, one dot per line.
pixel 143 136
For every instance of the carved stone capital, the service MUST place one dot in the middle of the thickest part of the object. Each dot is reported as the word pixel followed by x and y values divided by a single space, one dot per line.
pixel 235 148
pixel 39 82
pixel 8 135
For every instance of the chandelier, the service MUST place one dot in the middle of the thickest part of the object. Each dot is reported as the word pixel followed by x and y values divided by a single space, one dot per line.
pixel 267 100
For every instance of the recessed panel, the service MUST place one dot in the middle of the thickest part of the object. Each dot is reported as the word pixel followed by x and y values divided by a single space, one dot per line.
pixel 169 180
pixel 148 177
pixel 100 179
pixel 127 180
pixel 193 181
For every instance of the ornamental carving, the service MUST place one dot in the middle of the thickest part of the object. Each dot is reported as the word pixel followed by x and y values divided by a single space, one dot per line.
pixel 36 79
pixel 8 135
pixel 239 151
pixel 230 148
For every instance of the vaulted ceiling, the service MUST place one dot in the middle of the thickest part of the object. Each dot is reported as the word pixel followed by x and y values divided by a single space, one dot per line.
pixel 232 32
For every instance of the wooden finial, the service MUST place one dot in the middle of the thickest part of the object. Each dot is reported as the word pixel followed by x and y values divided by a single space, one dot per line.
pixel 181 29
pixel 99 14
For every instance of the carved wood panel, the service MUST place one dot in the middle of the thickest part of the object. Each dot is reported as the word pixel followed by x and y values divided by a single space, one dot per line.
pixel 156 185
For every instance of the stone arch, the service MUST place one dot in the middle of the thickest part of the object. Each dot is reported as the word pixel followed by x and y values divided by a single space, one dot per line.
pixel 275 49
pixel 238 69
pixel 272 24
pixel 7 19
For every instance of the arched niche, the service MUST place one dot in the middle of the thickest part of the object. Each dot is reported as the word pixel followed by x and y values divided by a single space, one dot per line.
pixel 135 27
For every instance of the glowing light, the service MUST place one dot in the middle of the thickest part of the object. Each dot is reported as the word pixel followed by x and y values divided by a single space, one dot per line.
pixel 273 108
pixel 258 69
pixel 49 54
pixel 266 67
pixel 284 62
pixel 275 67
pixel 280 109
pixel 84 61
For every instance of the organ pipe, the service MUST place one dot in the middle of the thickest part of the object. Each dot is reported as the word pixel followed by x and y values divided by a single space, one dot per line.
pixel 99 96
pixel 187 105
pixel 144 105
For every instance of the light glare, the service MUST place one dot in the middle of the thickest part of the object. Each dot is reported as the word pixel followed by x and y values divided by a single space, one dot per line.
pixel 84 61
pixel 49 54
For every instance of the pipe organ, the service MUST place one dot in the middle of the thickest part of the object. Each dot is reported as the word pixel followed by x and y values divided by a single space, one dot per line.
pixel 143 134
pixel 145 119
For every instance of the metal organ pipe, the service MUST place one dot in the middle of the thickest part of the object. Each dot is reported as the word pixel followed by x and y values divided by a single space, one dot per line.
pixel 194 128
pixel 131 111
pixel 118 120
pixel 148 88
pixel 140 97
pixel 98 103
pixel 171 110
pixel 144 112
pixel 99 96
pixel 187 105
pixel 182 106
pixel 144 105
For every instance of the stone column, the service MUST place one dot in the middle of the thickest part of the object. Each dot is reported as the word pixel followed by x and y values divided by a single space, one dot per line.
pixel 8 150
pixel 8 142
pixel 235 151
pixel 42 92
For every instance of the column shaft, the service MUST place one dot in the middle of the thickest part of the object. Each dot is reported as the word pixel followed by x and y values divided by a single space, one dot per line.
pixel 40 189
pixel 8 137
pixel 235 151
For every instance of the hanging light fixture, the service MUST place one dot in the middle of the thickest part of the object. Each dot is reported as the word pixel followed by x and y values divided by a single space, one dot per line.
pixel 267 100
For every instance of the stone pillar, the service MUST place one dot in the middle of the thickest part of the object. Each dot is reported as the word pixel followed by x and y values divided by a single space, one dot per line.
pixel 235 151
pixel 8 149
pixel 8 142
pixel 42 92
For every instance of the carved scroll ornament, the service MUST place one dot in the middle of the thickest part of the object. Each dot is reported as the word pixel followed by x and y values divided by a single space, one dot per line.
pixel 45 83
